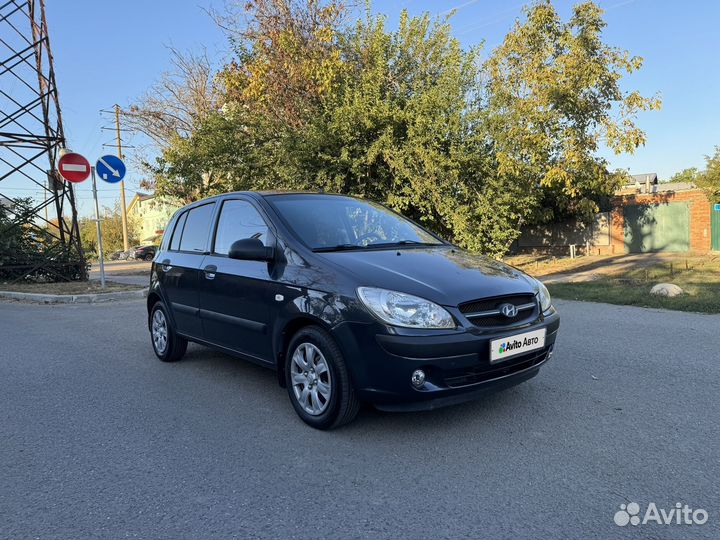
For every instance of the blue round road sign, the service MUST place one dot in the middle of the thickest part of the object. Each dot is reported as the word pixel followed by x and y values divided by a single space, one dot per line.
pixel 110 168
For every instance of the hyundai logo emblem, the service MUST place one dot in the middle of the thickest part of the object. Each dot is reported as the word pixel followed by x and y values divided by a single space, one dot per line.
pixel 509 310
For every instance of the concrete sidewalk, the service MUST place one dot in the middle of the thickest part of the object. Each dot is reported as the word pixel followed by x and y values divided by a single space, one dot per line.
pixel 127 272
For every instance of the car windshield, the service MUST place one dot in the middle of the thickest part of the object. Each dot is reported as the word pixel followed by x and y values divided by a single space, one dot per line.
pixel 331 222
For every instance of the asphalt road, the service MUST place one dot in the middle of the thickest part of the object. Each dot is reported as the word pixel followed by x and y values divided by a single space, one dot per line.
pixel 99 439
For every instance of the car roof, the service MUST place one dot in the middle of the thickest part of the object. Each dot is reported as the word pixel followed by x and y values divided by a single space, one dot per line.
pixel 277 193
pixel 269 193
pixel 260 195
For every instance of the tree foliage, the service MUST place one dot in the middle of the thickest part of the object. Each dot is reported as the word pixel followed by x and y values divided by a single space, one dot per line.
pixel 689 175
pixel 709 179
pixel 17 240
pixel 111 227
pixel 410 118
pixel 553 98
pixel 29 252
pixel 177 104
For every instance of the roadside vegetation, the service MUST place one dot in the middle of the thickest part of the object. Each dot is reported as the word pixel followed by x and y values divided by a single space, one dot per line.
pixel 112 235
pixel 701 295
pixel 70 287
pixel 472 144
pixel 628 280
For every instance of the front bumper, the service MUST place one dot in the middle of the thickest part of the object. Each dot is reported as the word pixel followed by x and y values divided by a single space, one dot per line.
pixel 457 365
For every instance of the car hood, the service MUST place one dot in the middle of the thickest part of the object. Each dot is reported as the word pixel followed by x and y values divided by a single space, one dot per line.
pixel 445 275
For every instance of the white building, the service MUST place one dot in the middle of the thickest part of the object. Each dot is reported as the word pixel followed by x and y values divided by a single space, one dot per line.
pixel 152 214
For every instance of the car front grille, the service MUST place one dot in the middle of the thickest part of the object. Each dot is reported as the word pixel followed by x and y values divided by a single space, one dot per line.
pixel 466 376
pixel 485 313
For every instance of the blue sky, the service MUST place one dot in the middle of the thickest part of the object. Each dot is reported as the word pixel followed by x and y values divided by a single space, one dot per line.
pixel 110 52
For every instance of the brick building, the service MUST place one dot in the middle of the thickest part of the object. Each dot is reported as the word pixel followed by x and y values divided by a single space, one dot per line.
pixel 646 216
pixel 673 217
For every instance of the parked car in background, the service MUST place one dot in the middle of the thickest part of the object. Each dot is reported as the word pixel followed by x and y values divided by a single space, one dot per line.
pixel 347 301
pixel 145 253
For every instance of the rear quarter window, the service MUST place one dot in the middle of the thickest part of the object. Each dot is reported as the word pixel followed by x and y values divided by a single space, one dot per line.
pixel 177 232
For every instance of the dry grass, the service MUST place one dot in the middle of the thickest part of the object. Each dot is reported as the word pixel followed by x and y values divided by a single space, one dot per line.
pixel 74 287
pixel 627 280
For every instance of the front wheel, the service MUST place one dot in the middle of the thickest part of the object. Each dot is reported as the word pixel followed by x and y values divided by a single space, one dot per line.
pixel 318 381
pixel 168 346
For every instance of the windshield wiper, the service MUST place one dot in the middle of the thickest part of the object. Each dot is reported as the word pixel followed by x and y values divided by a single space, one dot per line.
pixel 404 243
pixel 339 247
pixel 351 247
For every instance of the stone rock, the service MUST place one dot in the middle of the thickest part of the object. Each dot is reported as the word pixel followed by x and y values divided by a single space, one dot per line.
pixel 666 289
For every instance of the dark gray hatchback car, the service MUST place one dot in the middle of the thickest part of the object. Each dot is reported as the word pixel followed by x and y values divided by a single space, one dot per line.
pixel 348 301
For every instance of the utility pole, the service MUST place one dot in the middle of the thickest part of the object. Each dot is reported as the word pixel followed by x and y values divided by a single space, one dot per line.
pixel 123 211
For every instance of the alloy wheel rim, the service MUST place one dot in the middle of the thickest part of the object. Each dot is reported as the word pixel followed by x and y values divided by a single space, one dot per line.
pixel 159 331
pixel 311 379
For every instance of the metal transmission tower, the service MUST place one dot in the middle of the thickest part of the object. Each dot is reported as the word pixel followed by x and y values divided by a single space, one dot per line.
pixel 39 234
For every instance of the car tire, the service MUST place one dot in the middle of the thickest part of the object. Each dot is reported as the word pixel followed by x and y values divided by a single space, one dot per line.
pixel 168 346
pixel 341 404
pixel 149 257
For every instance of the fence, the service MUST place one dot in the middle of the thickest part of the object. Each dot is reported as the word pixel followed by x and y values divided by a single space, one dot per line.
pixel 558 237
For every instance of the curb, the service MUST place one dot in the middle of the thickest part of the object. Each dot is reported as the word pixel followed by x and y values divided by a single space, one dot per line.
pixel 74 298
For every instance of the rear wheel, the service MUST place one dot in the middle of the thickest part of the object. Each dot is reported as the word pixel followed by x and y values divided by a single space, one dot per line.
pixel 168 346
pixel 149 257
pixel 318 381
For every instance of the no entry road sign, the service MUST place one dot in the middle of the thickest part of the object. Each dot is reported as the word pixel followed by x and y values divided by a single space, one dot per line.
pixel 74 167
pixel 110 168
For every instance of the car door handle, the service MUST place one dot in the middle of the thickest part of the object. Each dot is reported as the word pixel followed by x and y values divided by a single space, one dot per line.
pixel 210 270
pixel 165 265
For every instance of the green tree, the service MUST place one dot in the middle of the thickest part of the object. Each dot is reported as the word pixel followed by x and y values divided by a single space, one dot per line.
pixel 111 227
pixel 554 96
pixel 18 242
pixel 399 127
pixel 709 179
pixel 689 176
pixel 409 118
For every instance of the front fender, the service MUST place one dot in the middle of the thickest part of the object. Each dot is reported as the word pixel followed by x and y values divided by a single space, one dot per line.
pixel 311 307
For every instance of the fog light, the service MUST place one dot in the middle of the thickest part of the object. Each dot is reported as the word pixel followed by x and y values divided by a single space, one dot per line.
pixel 550 351
pixel 418 378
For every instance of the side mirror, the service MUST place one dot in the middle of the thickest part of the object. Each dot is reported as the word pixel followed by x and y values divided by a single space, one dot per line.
pixel 251 249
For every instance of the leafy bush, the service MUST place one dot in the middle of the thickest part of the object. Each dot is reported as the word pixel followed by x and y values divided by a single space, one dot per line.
pixel 30 253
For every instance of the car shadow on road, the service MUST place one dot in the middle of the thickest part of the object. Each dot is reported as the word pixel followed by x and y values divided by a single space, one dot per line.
pixel 485 409
pixel 255 384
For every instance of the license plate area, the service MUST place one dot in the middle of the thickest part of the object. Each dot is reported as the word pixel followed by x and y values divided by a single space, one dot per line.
pixel 504 348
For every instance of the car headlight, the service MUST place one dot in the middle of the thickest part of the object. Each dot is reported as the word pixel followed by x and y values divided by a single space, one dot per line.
pixel 543 296
pixel 400 309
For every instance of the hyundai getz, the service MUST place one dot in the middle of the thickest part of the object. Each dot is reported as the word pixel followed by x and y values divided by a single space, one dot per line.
pixel 348 301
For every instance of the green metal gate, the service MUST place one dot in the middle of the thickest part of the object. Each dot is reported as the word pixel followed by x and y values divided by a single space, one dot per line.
pixel 715 226
pixel 657 227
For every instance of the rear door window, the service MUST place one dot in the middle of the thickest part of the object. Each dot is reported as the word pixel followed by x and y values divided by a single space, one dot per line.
pixel 197 228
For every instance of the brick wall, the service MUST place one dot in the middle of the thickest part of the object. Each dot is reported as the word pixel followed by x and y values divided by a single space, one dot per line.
pixel 700 234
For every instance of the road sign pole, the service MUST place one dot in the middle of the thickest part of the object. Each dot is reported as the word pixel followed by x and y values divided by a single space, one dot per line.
pixel 99 232
pixel 126 245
